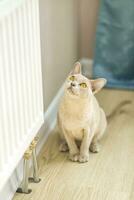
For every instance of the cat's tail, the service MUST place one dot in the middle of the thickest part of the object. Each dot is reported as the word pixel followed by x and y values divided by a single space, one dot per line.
pixel 119 109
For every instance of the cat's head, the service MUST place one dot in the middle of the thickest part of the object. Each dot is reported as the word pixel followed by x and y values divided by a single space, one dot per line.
pixel 78 86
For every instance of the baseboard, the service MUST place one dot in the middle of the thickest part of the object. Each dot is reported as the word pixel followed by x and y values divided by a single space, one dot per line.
pixel 13 183
pixel 49 119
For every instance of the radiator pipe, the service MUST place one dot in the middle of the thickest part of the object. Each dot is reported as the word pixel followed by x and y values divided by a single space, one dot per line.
pixel 35 167
pixel 25 181
pixel 25 177
pixel 35 177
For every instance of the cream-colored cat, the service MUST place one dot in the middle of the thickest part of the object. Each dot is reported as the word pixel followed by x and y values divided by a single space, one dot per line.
pixel 79 117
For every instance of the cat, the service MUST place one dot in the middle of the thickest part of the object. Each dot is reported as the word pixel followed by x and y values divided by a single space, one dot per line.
pixel 80 118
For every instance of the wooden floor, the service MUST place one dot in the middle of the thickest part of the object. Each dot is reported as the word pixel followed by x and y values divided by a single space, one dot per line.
pixel 109 175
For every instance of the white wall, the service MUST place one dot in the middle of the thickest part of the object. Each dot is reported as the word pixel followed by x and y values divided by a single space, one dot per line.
pixel 87 20
pixel 59 43
pixel 68 30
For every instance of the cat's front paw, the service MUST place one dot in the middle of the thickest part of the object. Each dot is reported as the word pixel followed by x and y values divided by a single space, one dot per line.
pixel 74 157
pixel 95 148
pixel 84 158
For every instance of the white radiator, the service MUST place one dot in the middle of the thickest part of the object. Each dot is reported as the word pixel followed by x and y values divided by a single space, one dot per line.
pixel 21 99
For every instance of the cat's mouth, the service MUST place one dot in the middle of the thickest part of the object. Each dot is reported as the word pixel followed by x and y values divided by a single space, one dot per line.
pixel 71 91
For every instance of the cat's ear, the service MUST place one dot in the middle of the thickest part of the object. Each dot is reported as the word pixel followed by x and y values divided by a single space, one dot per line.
pixel 97 84
pixel 77 68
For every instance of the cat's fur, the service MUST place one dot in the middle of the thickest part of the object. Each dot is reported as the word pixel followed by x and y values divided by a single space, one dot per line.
pixel 80 117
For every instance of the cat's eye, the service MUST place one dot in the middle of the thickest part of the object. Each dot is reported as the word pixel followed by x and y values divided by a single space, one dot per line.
pixel 72 78
pixel 83 85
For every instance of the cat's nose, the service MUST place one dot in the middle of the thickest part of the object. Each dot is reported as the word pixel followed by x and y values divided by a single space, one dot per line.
pixel 73 84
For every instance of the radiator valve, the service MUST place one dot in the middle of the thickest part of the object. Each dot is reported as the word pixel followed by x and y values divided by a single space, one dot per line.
pixel 29 154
